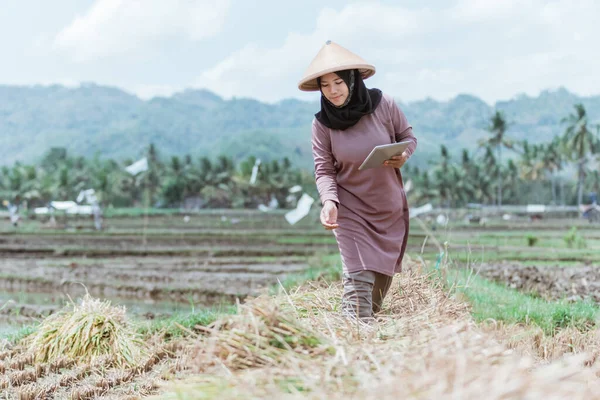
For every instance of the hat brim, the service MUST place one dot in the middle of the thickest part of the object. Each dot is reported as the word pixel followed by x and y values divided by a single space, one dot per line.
pixel 309 83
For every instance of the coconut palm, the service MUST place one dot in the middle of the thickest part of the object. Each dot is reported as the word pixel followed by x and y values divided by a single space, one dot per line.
pixel 551 161
pixel 174 182
pixel 511 181
pixel 423 190
pixel 106 177
pixel 594 181
pixel 530 165
pixel 442 179
pixel 219 187
pixel 498 140
pixel 466 162
pixel 464 189
pixel 4 178
pixel 483 173
pixel 579 142
pixel 491 168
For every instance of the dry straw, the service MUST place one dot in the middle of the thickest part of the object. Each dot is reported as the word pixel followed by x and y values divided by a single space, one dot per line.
pixel 261 334
pixel 425 346
pixel 86 331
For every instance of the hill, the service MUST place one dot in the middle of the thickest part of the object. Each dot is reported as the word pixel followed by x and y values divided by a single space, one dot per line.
pixel 108 121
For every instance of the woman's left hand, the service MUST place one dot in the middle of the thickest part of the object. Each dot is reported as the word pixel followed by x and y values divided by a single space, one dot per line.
pixel 397 161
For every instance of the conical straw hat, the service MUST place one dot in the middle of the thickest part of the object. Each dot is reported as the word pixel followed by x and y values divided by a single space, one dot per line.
pixel 332 57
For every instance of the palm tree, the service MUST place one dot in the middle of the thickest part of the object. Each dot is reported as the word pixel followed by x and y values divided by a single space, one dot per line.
pixel 465 161
pixel 106 177
pixel 464 189
pixel 152 154
pixel 423 189
pixel 150 180
pixel 4 178
pixel 579 142
pixel 218 187
pixel 530 166
pixel 483 173
pixel 551 161
pixel 31 189
pixel 594 181
pixel 511 181
pixel 174 183
pixel 498 140
pixel 64 183
pixel 442 179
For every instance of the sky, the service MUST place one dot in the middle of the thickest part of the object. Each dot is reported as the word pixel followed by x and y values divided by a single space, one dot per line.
pixel 493 49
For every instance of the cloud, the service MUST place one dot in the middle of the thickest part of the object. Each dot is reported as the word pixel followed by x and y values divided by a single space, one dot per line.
pixel 118 27
pixel 491 48
pixel 272 73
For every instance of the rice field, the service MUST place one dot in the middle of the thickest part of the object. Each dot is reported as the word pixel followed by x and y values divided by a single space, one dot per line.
pixel 155 265
pixel 180 275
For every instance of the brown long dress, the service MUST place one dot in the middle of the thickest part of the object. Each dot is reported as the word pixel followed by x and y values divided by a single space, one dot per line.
pixel 372 206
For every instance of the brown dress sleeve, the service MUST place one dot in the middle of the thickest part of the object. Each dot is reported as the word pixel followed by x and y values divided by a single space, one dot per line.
pixel 325 172
pixel 402 129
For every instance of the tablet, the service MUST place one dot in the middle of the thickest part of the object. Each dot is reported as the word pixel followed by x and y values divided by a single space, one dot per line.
pixel 383 152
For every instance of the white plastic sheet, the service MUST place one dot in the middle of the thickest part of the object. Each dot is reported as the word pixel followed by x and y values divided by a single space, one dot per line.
pixel 254 171
pixel 80 210
pixel 415 212
pixel 536 208
pixel 62 205
pixel 88 195
pixel 273 204
pixel 70 207
pixel 301 210
pixel 138 166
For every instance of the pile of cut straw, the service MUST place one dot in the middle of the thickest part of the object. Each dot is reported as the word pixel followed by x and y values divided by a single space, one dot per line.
pixel 262 334
pixel 86 331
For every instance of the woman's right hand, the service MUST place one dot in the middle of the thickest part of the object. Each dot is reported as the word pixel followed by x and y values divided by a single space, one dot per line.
pixel 329 214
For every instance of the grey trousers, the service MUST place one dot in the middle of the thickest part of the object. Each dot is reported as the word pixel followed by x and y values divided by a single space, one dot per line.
pixel 364 292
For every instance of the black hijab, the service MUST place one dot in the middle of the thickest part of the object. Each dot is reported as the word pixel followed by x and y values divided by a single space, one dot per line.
pixel 361 101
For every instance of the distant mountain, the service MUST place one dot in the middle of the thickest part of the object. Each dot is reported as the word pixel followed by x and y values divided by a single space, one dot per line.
pixel 93 119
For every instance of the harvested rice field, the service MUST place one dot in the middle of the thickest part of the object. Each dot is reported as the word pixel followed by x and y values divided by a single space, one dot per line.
pixel 156 265
pixel 228 304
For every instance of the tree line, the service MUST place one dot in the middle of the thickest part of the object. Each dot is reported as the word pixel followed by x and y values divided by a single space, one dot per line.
pixel 168 182
pixel 532 173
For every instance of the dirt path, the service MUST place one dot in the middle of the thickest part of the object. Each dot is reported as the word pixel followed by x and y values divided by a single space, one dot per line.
pixel 550 282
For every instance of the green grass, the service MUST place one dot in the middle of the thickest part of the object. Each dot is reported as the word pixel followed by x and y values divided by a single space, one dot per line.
pixel 171 327
pixel 14 337
pixel 491 233
pixel 543 255
pixel 521 241
pixel 139 212
pixel 168 327
pixel 327 267
pixel 306 240
pixel 491 300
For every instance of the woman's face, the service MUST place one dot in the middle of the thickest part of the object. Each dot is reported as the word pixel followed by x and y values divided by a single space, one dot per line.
pixel 334 89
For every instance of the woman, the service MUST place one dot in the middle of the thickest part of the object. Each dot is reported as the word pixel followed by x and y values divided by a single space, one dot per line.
pixel 367 210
